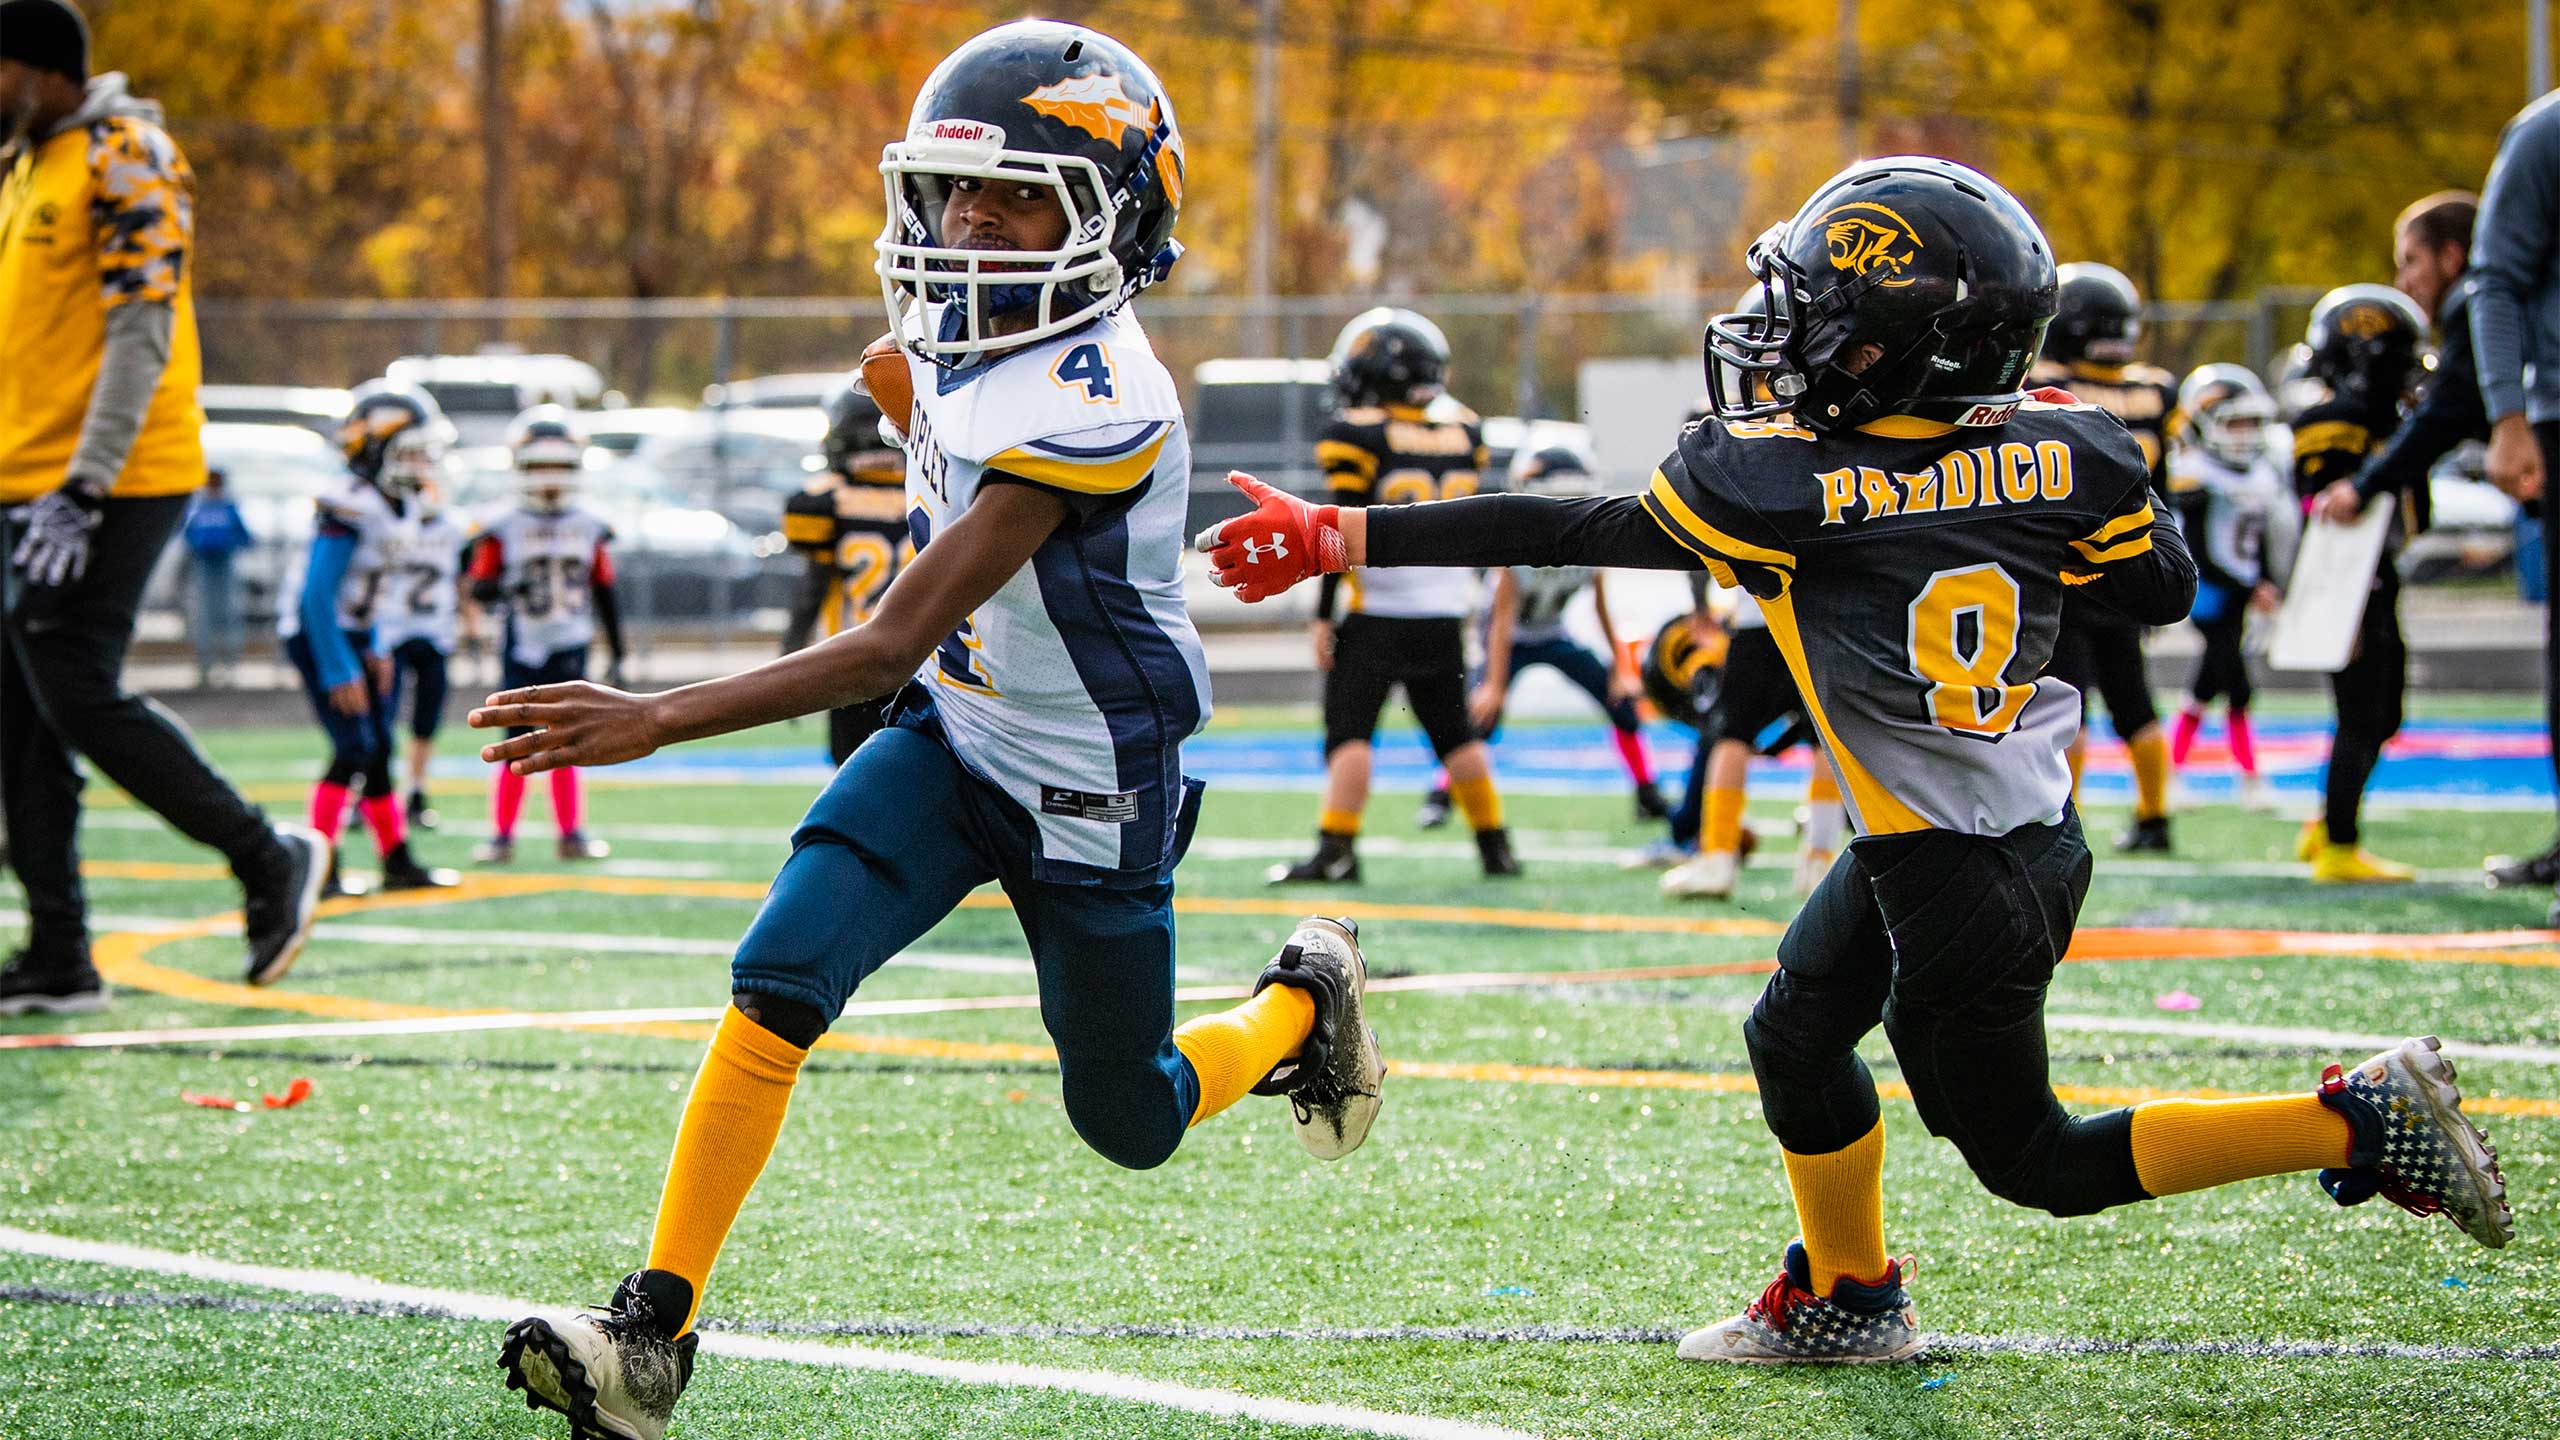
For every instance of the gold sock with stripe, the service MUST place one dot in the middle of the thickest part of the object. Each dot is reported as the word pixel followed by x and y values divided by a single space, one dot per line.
pixel 1232 1050
pixel 1479 802
pixel 2150 752
pixel 1720 833
pixel 2183 1145
pixel 1840 1205
pixel 730 1120
pixel 1345 823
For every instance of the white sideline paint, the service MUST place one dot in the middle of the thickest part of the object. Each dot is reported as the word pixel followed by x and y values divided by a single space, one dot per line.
pixel 1101 1384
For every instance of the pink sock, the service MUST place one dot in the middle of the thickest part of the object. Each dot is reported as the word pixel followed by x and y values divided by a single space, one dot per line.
pixel 1631 750
pixel 328 809
pixel 567 800
pixel 2244 743
pixel 2183 738
pixel 506 802
pixel 383 816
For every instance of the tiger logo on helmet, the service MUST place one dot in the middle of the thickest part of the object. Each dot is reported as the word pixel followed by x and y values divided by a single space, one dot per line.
pixel 394 437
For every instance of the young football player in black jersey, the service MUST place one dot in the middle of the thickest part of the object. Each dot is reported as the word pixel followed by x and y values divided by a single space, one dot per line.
pixel 1398 439
pixel 2364 343
pixel 851 524
pixel 1909 517
pixel 2089 351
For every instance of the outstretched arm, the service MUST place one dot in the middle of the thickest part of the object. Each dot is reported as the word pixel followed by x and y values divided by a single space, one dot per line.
pixel 587 724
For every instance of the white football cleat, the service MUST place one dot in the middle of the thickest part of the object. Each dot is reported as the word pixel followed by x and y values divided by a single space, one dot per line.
pixel 613 1372
pixel 2412 1145
pixel 1855 1324
pixel 1333 1086
pixel 1707 875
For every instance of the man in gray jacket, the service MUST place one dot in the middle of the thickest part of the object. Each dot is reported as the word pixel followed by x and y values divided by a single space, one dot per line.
pixel 2515 330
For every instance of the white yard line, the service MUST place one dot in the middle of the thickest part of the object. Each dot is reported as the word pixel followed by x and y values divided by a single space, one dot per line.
pixel 461 1305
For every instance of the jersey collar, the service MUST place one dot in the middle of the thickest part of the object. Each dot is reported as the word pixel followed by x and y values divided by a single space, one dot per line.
pixel 1905 427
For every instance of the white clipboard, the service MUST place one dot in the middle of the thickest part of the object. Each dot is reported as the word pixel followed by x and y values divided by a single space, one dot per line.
pixel 2324 601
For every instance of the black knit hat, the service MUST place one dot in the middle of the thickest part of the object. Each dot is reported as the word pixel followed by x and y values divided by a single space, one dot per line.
pixel 45 35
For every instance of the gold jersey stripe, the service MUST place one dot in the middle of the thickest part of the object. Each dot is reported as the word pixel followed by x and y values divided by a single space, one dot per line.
pixel 1666 500
pixel 2095 555
pixel 1875 808
pixel 1085 477
pixel 1335 456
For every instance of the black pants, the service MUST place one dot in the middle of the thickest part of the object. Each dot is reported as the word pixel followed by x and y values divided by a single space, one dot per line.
pixel 1373 654
pixel 2222 671
pixel 2098 651
pixel 849 725
pixel 418 656
pixel 1949 941
pixel 2368 695
pixel 2548 434
pixel 62 692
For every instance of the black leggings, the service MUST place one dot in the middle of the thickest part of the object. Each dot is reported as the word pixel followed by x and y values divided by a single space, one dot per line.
pixel 2222 672
pixel 2368 695
pixel 1949 941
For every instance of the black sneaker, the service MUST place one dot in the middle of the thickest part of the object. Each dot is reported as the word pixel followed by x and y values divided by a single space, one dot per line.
pixel 1434 810
pixel 421 815
pixel 1334 863
pixel 337 884
pixel 496 850
pixel 2534 872
pixel 1333 1086
pixel 2151 835
pixel 1493 847
pixel 401 871
pixel 578 845
pixel 281 905
pixel 33 984
pixel 1650 805
pixel 616 1373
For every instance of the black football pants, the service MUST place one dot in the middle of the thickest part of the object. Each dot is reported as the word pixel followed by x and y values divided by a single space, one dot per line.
pixel 2368 696
pixel 1949 941
pixel 62 691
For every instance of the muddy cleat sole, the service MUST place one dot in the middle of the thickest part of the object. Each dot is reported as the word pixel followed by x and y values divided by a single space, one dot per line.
pixel 611 1373
pixel 1857 1324
pixel 1334 1085
pixel 2413 1145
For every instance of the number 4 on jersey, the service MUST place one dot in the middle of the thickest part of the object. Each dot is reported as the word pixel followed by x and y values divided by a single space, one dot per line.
pixel 1087 367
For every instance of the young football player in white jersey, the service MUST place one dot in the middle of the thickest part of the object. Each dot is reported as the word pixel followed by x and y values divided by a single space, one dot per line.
pixel 417 626
pixel 2238 512
pixel 365 530
pixel 1046 674
pixel 547 564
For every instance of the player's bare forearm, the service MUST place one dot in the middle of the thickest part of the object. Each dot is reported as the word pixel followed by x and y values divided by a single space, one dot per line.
pixel 2157 587
pixel 587 724
pixel 1500 623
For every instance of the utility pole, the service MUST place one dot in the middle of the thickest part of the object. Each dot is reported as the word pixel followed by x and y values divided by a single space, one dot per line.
pixel 1266 170
pixel 1852 102
pixel 495 214
pixel 2537 49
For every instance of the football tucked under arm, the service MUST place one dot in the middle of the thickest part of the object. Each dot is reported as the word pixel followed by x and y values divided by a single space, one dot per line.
pixel 890 384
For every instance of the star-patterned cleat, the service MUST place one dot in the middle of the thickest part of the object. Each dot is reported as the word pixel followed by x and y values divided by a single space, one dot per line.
pixel 1856 1324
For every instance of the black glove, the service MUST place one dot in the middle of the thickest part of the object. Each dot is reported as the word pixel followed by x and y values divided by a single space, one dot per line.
pixel 55 549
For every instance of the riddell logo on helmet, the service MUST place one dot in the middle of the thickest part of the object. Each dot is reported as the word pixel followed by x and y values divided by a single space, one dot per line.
pixel 1863 236
pixel 975 131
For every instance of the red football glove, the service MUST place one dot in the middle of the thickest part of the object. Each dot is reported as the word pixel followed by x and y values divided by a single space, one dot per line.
pixel 1285 540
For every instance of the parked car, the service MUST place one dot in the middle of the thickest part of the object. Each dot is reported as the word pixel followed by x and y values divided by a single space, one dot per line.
pixel 480 394
pixel 2471 524
pixel 800 390
pixel 313 408
pixel 743 463
pixel 619 432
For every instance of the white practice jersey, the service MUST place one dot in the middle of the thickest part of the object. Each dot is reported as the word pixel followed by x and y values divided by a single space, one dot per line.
pixel 1545 593
pixel 1073 688
pixel 385 535
pixel 421 593
pixel 2241 523
pixel 547 566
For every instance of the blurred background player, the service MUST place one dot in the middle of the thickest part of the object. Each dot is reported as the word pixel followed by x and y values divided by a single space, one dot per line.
pixel 365 530
pixel 2364 343
pixel 2089 352
pixel 1754 711
pixel 547 563
pixel 418 624
pixel 1407 628
pixel 2239 515
pixel 851 524
pixel 1524 626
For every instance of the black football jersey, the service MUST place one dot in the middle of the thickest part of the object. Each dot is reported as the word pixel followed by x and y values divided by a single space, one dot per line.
pixel 2332 441
pixel 858 533
pixel 1399 455
pixel 2143 397
pixel 1914 580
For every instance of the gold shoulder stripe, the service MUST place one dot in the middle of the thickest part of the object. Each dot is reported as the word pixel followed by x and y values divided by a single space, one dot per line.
pixel 801 529
pixel 1667 503
pixel 1878 811
pixel 2079 577
pixel 2138 520
pixel 1097 477
pixel 2330 435
pixel 2138 545
pixel 1334 455
pixel 1906 427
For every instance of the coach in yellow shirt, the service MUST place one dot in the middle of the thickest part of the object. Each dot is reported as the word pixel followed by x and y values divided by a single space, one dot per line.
pixel 100 446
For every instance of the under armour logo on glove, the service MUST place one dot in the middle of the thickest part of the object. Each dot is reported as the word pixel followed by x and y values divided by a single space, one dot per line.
pixel 1306 540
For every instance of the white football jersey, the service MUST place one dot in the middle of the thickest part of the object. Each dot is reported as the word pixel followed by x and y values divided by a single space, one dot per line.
pixel 547 576
pixel 2246 518
pixel 1073 688
pixel 384 535
pixel 422 590
pixel 1545 592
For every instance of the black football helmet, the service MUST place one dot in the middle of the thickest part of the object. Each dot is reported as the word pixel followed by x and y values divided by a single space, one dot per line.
pixel 394 437
pixel 2097 316
pixel 1045 104
pixel 853 445
pixel 1560 469
pixel 1388 356
pixel 2366 344
pixel 1680 675
pixel 1932 263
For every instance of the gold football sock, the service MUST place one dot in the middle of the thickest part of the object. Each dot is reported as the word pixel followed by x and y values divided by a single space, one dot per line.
pixel 1821 786
pixel 2078 755
pixel 1345 823
pixel 730 1120
pixel 1477 798
pixel 2182 1145
pixel 1720 833
pixel 2150 752
pixel 1232 1050
pixel 1840 1204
